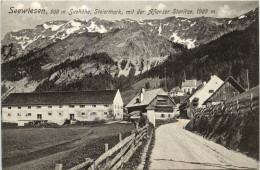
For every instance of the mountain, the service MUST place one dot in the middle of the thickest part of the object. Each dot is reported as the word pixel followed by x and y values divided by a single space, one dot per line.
pixel 61 54
pixel 233 54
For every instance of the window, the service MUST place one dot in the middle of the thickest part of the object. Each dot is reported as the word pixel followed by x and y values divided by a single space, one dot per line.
pixel 28 114
pixel 60 114
pixel 19 114
pixel 9 114
pixel 105 105
pixel 49 106
pixel 71 106
pixel 162 115
pixel 169 116
pixel 105 113
pixel 93 105
pixel 60 106
pixel 49 114
pixel 93 113
pixel 161 102
pixel 138 100
pixel 29 107
pixel 19 107
pixel 83 114
pixel 38 107
pixel 82 106
pixel 9 107
pixel 211 91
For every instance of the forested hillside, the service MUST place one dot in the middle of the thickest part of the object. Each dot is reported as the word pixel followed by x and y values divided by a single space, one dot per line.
pixel 231 54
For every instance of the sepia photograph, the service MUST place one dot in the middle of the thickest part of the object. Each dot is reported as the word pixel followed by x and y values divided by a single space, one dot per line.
pixel 142 85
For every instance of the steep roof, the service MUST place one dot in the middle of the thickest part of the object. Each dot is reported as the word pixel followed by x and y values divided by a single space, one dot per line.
pixel 176 89
pixel 59 97
pixel 148 97
pixel 191 83
pixel 199 93
pixel 233 82
pixel 247 94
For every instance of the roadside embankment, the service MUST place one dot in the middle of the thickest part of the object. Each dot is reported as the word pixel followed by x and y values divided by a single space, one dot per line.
pixel 234 124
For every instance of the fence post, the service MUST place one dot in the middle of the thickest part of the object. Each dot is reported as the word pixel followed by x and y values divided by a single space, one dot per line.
pixel 120 137
pixel 237 107
pixel 93 165
pixel 251 101
pixel 230 107
pixel 58 166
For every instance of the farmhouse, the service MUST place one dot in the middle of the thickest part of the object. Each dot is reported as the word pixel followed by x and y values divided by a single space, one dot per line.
pixel 154 103
pixel 226 91
pixel 200 96
pixel 189 86
pixel 57 107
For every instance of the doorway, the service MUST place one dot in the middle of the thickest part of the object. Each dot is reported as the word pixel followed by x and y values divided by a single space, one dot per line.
pixel 39 116
pixel 71 116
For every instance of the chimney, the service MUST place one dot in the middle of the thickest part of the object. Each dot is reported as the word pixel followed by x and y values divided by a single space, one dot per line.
pixel 211 76
pixel 142 94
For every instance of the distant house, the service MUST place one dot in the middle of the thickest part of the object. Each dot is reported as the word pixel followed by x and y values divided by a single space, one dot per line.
pixel 200 96
pixel 176 91
pixel 56 107
pixel 189 86
pixel 156 101
pixel 226 91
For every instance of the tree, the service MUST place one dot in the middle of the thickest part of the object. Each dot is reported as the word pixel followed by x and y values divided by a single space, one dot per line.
pixel 147 85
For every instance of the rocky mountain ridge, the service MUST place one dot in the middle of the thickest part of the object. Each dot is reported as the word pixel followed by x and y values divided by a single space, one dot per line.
pixel 47 52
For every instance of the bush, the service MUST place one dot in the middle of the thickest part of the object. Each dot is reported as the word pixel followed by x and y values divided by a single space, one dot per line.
pixel 8 124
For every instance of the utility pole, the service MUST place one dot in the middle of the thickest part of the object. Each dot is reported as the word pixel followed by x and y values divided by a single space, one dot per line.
pixel 165 78
pixel 247 79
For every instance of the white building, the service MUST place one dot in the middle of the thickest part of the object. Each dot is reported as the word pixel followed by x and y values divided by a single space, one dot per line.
pixel 56 107
pixel 156 104
pixel 188 86
pixel 204 93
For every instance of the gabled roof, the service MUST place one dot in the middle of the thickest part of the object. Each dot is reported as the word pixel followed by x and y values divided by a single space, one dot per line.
pixel 247 94
pixel 191 83
pixel 233 82
pixel 198 93
pixel 148 97
pixel 61 97
pixel 176 89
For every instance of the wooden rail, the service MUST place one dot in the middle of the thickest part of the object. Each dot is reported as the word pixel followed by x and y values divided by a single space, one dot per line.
pixel 248 104
pixel 125 149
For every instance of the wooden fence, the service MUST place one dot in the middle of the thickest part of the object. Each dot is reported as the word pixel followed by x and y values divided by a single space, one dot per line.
pixel 232 107
pixel 124 150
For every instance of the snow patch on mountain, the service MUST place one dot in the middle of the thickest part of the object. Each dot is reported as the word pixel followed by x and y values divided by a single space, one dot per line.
pixel 52 27
pixel 160 30
pixel 25 43
pixel 188 42
pixel 242 16
pixel 149 23
pixel 229 22
pixel 94 28
pixel 191 25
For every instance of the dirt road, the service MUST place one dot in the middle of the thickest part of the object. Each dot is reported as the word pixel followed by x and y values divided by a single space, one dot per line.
pixel 177 148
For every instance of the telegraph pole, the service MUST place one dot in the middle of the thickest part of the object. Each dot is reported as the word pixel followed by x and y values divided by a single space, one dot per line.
pixel 247 79
pixel 165 78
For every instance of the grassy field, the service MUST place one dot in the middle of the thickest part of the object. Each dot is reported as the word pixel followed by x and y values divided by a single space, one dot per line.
pixel 41 148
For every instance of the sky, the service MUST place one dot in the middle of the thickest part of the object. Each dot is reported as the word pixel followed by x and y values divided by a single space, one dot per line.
pixel 12 22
